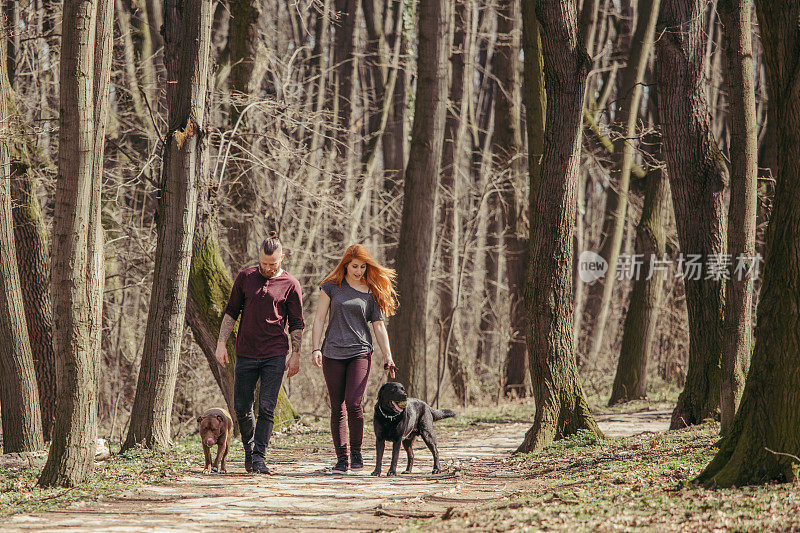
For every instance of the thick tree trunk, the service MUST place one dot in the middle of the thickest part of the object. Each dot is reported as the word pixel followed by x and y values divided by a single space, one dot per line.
pixel 77 247
pixel 187 36
pixel 630 382
pixel 698 176
pixel 507 149
pixel 408 330
pixel 19 398
pixel 763 443
pixel 624 153
pixel 561 407
pixel 738 334
pixel 449 216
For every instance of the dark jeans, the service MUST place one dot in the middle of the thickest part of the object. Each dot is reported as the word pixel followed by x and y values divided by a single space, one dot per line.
pixel 247 372
pixel 347 380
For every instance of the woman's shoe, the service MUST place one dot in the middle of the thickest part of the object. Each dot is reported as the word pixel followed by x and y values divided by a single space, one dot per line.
pixel 356 461
pixel 341 466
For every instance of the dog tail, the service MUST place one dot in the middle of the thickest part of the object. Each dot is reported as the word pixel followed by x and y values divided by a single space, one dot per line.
pixel 439 414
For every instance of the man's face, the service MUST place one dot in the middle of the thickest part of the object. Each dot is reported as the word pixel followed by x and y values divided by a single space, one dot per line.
pixel 270 265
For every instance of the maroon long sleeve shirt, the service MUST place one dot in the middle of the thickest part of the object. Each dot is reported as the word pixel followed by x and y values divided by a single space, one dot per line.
pixel 266 306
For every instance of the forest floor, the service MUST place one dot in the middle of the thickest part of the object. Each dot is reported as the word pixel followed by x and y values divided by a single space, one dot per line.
pixel 639 477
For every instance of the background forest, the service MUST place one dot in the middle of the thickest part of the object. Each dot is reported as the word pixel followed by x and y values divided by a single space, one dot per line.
pixel 406 126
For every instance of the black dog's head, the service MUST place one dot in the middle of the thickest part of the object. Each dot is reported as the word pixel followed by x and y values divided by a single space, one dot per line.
pixel 392 397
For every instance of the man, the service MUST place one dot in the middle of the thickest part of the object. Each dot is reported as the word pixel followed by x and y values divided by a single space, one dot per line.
pixel 268 299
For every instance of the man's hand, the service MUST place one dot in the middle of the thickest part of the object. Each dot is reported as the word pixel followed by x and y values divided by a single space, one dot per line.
pixel 222 354
pixel 316 357
pixel 293 364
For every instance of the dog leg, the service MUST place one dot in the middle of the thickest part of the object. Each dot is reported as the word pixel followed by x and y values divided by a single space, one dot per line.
pixel 218 458
pixel 430 441
pixel 207 455
pixel 395 457
pixel 408 444
pixel 224 466
pixel 379 447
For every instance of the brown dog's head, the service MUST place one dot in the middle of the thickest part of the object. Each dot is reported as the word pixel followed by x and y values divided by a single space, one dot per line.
pixel 211 426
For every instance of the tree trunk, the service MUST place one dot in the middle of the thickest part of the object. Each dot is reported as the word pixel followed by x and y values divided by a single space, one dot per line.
pixel 19 398
pixel 738 333
pixel 697 177
pixel 187 37
pixel 77 247
pixel 394 139
pixel 450 220
pixel 763 443
pixel 507 148
pixel 408 330
pixel 32 255
pixel 243 45
pixel 561 407
pixel 344 67
pixel 624 154
pixel 630 382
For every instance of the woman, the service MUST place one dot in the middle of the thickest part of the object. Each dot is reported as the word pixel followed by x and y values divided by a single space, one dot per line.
pixel 358 291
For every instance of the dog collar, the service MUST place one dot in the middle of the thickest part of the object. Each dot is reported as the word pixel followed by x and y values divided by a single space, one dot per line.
pixel 390 417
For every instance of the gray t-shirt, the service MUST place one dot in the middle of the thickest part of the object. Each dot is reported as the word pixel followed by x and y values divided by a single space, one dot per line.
pixel 348 333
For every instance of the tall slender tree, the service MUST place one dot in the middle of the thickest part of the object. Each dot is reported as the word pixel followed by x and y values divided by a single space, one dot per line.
pixel 408 330
pixel 187 37
pixel 630 381
pixel 449 216
pixel 738 337
pixel 19 397
pixel 77 245
pixel 763 443
pixel 561 408
pixel 32 252
pixel 244 43
pixel 626 119
pixel 507 148
pixel 698 177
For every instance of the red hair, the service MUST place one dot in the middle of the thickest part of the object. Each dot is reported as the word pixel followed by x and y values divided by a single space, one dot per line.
pixel 379 279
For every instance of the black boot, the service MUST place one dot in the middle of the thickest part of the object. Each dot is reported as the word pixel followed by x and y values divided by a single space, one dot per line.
pixel 259 466
pixel 248 458
pixel 356 461
pixel 341 466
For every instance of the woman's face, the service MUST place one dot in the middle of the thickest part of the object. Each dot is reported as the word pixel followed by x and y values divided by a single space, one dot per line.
pixel 356 269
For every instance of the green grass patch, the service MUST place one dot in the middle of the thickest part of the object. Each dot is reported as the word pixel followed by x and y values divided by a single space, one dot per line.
pixel 635 483
pixel 121 472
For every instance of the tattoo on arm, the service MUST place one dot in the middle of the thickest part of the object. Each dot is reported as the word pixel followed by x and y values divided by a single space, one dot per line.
pixel 226 328
pixel 297 337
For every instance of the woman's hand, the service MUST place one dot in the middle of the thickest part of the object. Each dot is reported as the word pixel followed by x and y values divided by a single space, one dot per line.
pixel 316 357
pixel 389 367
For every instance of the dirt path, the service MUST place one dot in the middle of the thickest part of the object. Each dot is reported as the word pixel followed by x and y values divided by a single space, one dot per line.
pixel 302 495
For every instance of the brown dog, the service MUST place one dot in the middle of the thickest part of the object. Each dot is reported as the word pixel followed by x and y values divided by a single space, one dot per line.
pixel 216 427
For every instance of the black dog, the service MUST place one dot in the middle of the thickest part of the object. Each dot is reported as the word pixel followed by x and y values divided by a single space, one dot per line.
pixel 399 418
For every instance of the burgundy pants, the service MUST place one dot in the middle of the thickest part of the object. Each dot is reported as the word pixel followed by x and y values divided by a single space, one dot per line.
pixel 346 380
